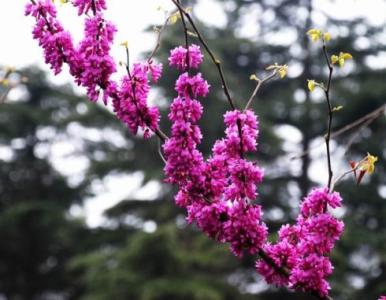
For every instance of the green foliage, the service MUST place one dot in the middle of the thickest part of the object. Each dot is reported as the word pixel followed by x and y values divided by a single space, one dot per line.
pixel 169 263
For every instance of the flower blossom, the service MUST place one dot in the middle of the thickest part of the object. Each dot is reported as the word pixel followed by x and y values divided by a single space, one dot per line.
pixel 192 86
pixel 57 43
pixel 178 57
pixel 244 230
pixel 185 164
pixel 98 65
pixel 303 248
pixel 131 106
pixel 85 5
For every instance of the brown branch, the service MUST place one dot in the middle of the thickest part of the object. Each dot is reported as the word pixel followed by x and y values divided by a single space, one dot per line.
pixel 281 270
pixel 7 86
pixel 185 28
pixel 344 174
pixel 355 135
pixel 158 41
pixel 286 272
pixel 93 7
pixel 330 115
pixel 370 116
pixel 363 121
pixel 4 95
pixel 260 82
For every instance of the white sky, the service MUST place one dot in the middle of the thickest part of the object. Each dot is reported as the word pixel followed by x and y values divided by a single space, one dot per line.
pixel 132 17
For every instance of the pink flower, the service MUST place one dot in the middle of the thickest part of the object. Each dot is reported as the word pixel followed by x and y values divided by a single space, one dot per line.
pixel 303 248
pixel 178 57
pixel 190 110
pixel 185 164
pixel 133 108
pixel 85 5
pixel 283 255
pixel 57 44
pixel 318 200
pixel 210 218
pixel 244 230
pixel 290 234
pixel 249 130
pixel 309 274
pixel 320 233
pixel 244 177
pixel 41 8
pixel 192 86
pixel 92 65
pixel 155 71
pixel 98 65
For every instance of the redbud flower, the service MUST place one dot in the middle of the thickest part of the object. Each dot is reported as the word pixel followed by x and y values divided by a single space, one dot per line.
pixel 98 65
pixel 178 57
pixel 192 86
pixel 85 5
pixel 133 108
pixel 244 230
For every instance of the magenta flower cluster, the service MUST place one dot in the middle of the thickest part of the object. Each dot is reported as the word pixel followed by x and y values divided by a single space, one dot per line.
pixel 179 57
pixel 131 106
pixel 216 192
pixel 56 42
pixel 91 64
pixel 302 249
pixel 84 6
pixel 185 164
pixel 219 193
pixel 94 49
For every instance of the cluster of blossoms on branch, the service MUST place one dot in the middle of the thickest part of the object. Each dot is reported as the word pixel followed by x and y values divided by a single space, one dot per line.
pixel 216 193
pixel 303 248
pixel 219 193
pixel 91 64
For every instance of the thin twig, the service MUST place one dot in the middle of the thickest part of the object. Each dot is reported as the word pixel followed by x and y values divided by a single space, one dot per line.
pixel 4 95
pixel 260 82
pixel 8 87
pixel 339 179
pixel 185 28
pixel 93 7
pixel 160 152
pixel 282 270
pixel 375 114
pixel 158 41
pixel 330 115
pixel 355 135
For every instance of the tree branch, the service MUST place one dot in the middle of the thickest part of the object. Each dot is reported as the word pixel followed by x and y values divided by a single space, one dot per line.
pixel 260 82
pixel 330 116
pixel 361 122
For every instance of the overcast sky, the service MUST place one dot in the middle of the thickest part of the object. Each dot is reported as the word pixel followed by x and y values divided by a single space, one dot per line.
pixel 132 17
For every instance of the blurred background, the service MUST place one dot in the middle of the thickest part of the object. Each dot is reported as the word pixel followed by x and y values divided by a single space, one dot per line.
pixel 83 210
